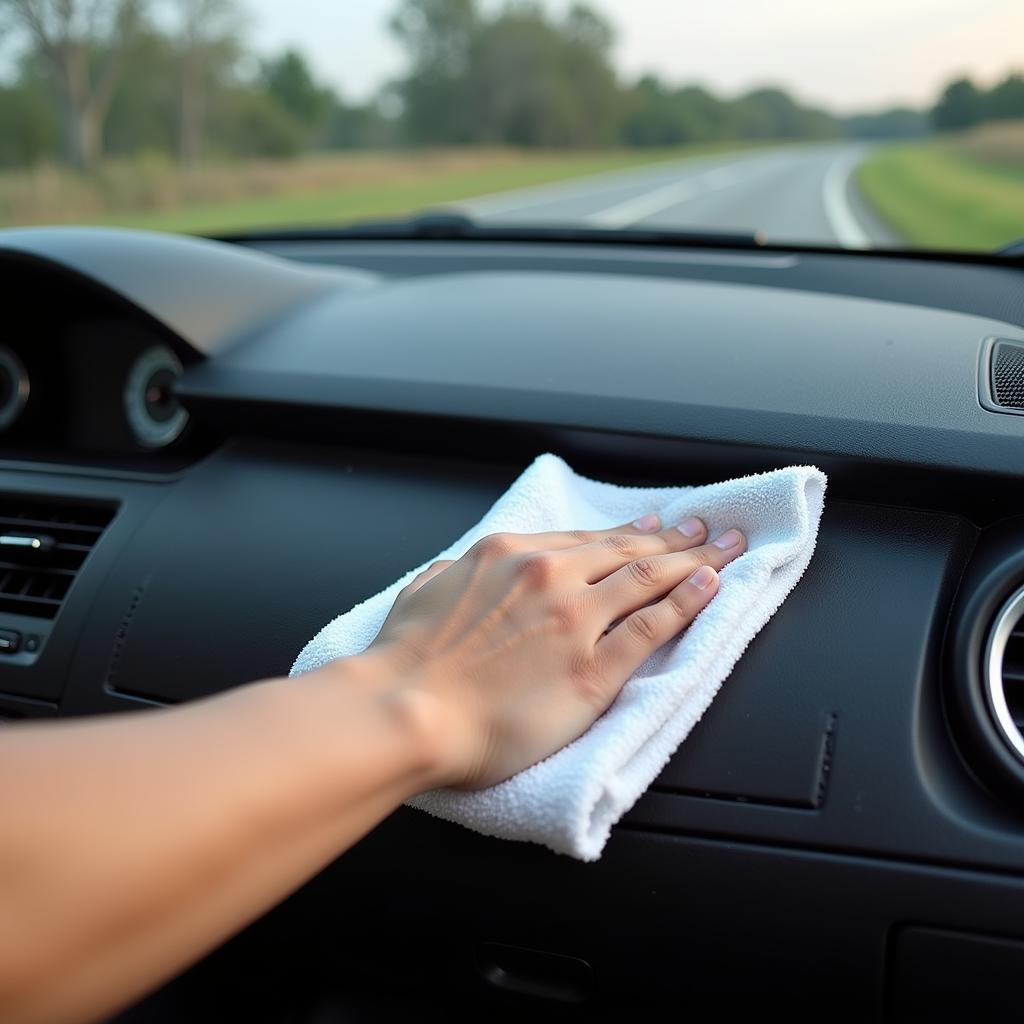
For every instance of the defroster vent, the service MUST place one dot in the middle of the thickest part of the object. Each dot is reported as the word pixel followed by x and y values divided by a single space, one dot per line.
pixel 43 544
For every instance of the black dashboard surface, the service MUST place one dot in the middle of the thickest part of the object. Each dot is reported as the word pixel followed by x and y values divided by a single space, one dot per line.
pixel 718 362
pixel 826 829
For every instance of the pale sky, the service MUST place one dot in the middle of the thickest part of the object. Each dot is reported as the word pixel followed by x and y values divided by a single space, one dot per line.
pixel 846 54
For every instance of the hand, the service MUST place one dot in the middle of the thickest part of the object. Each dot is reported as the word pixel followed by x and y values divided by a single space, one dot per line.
pixel 512 651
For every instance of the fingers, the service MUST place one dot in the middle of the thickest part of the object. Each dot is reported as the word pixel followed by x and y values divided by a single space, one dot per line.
pixel 626 647
pixel 647 578
pixel 598 559
pixel 426 576
pixel 644 526
pixel 596 553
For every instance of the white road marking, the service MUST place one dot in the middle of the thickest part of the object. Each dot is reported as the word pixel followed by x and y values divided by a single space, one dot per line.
pixel 840 216
pixel 574 188
pixel 639 207
pixel 643 206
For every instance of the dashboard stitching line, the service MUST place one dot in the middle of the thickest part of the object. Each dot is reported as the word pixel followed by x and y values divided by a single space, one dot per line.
pixel 122 634
pixel 827 753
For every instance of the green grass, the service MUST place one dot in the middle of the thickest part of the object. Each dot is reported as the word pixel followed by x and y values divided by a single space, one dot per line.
pixel 434 187
pixel 937 195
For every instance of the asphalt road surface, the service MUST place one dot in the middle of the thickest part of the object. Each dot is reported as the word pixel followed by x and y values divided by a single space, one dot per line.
pixel 800 193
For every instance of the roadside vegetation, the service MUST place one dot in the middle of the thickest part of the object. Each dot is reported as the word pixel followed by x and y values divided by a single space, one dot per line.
pixel 325 189
pixel 960 191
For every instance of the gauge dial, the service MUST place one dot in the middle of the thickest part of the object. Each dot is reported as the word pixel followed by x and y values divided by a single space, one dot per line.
pixel 154 414
pixel 14 387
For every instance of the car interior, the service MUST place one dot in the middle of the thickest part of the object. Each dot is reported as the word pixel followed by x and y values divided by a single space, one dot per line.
pixel 211 447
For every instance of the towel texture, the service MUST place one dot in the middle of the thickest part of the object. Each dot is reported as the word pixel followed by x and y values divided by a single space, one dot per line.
pixel 570 801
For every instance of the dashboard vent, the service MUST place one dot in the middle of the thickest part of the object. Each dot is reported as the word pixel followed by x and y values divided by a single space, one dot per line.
pixel 1008 375
pixel 1004 673
pixel 43 543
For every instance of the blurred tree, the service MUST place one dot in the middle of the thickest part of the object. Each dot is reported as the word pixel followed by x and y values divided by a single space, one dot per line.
pixel 587 41
pixel 655 116
pixel 436 33
pixel 771 113
pixel 960 106
pixel 1005 101
pixel 249 122
pixel 438 37
pixel 659 116
pixel 290 82
pixel 29 132
pixel 586 29
pixel 360 127
pixel 517 93
pixel 896 123
pixel 514 76
pixel 704 117
pixel 29 128
pixel 208 33
pixel 143 113
pixel 83 43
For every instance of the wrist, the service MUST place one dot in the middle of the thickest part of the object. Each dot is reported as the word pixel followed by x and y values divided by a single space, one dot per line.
pixel 421 724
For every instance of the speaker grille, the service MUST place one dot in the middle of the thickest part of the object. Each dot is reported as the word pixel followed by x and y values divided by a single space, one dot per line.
pixel 1008 375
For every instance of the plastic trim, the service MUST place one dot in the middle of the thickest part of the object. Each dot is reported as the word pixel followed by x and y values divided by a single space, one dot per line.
pixel 985 396
pixel 1007 619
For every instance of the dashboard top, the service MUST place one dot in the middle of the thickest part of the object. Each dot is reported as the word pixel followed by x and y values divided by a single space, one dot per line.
pixel 711 347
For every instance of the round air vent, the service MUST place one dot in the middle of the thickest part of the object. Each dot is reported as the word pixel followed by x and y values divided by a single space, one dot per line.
pixel 1003 673
pixel 14 387
pixel 985 661
pixel 153 413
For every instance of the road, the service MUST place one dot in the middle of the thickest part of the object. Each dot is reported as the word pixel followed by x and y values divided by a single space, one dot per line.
pixel 800 193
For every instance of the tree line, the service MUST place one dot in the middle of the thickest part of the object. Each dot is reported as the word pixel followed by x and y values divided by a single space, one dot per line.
pixel 97 78
pixel 964 104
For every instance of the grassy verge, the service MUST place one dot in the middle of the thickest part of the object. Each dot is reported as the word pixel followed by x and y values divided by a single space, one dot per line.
pixel 324 189
pixel 960 193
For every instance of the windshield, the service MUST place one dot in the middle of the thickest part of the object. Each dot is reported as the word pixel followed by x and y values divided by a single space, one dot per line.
pixel 852 123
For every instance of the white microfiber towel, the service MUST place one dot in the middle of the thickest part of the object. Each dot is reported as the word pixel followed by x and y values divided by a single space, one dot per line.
pixel 570 801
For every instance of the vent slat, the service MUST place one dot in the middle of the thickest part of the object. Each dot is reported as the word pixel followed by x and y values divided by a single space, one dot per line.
pixel 23 523
pixel 55 512
pixel 35 583
pixel 6 566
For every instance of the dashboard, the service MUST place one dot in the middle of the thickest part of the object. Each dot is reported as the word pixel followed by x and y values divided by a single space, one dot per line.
pixel 208 449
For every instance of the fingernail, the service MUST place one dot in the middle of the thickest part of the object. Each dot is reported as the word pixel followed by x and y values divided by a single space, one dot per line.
pixel 691 527
pixel 702 578
pixel 648 523
pixel 729 539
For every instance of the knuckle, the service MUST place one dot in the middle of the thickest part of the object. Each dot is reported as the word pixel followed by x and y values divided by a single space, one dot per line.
pixel 678 609
pixel 494 546
pixel 587 680
pixel 581 536
pixel 539 569
pixel 642 626
pixel 620 544
pixel 568 614
pixel 700 556
pixel 644 571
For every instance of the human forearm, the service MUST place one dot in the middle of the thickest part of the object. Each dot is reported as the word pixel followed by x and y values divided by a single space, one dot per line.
pixel 189 823
pixel 131 847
